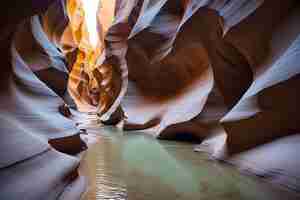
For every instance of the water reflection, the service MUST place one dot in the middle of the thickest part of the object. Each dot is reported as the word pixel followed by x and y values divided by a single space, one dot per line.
pixel 138 167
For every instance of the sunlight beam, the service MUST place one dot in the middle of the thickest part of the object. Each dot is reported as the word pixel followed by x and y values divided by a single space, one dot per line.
pixel 90 8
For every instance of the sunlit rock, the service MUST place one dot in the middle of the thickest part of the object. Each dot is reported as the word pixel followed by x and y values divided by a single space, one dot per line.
pixel 222 74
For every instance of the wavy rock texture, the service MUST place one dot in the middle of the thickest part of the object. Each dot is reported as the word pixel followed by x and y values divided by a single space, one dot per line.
pixel 30 117
pixel 183 69
pixel 165 78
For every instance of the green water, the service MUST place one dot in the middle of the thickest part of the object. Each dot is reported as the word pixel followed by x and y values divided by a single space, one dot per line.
pixel 138 167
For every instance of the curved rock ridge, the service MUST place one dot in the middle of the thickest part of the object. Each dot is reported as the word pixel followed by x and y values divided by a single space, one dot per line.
pixel 162 74
pixel 262 124
pixel 30 113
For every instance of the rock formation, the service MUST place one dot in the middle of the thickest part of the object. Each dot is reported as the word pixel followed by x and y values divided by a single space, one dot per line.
pixel 183 69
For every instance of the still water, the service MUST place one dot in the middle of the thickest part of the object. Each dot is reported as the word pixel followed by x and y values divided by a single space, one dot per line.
pixel 135 166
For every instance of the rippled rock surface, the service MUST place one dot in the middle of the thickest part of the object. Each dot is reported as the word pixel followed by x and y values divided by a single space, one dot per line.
pixel 224 74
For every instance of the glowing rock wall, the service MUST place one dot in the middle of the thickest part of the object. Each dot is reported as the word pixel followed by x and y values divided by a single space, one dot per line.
pixel 192 66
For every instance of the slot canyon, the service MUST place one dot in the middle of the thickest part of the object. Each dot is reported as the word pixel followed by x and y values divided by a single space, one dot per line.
pixel 150 100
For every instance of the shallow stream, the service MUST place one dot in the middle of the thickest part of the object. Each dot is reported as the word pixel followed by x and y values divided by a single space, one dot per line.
pixel 138 167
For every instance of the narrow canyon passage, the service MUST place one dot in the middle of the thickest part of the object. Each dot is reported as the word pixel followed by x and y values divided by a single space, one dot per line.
pixel 150 100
